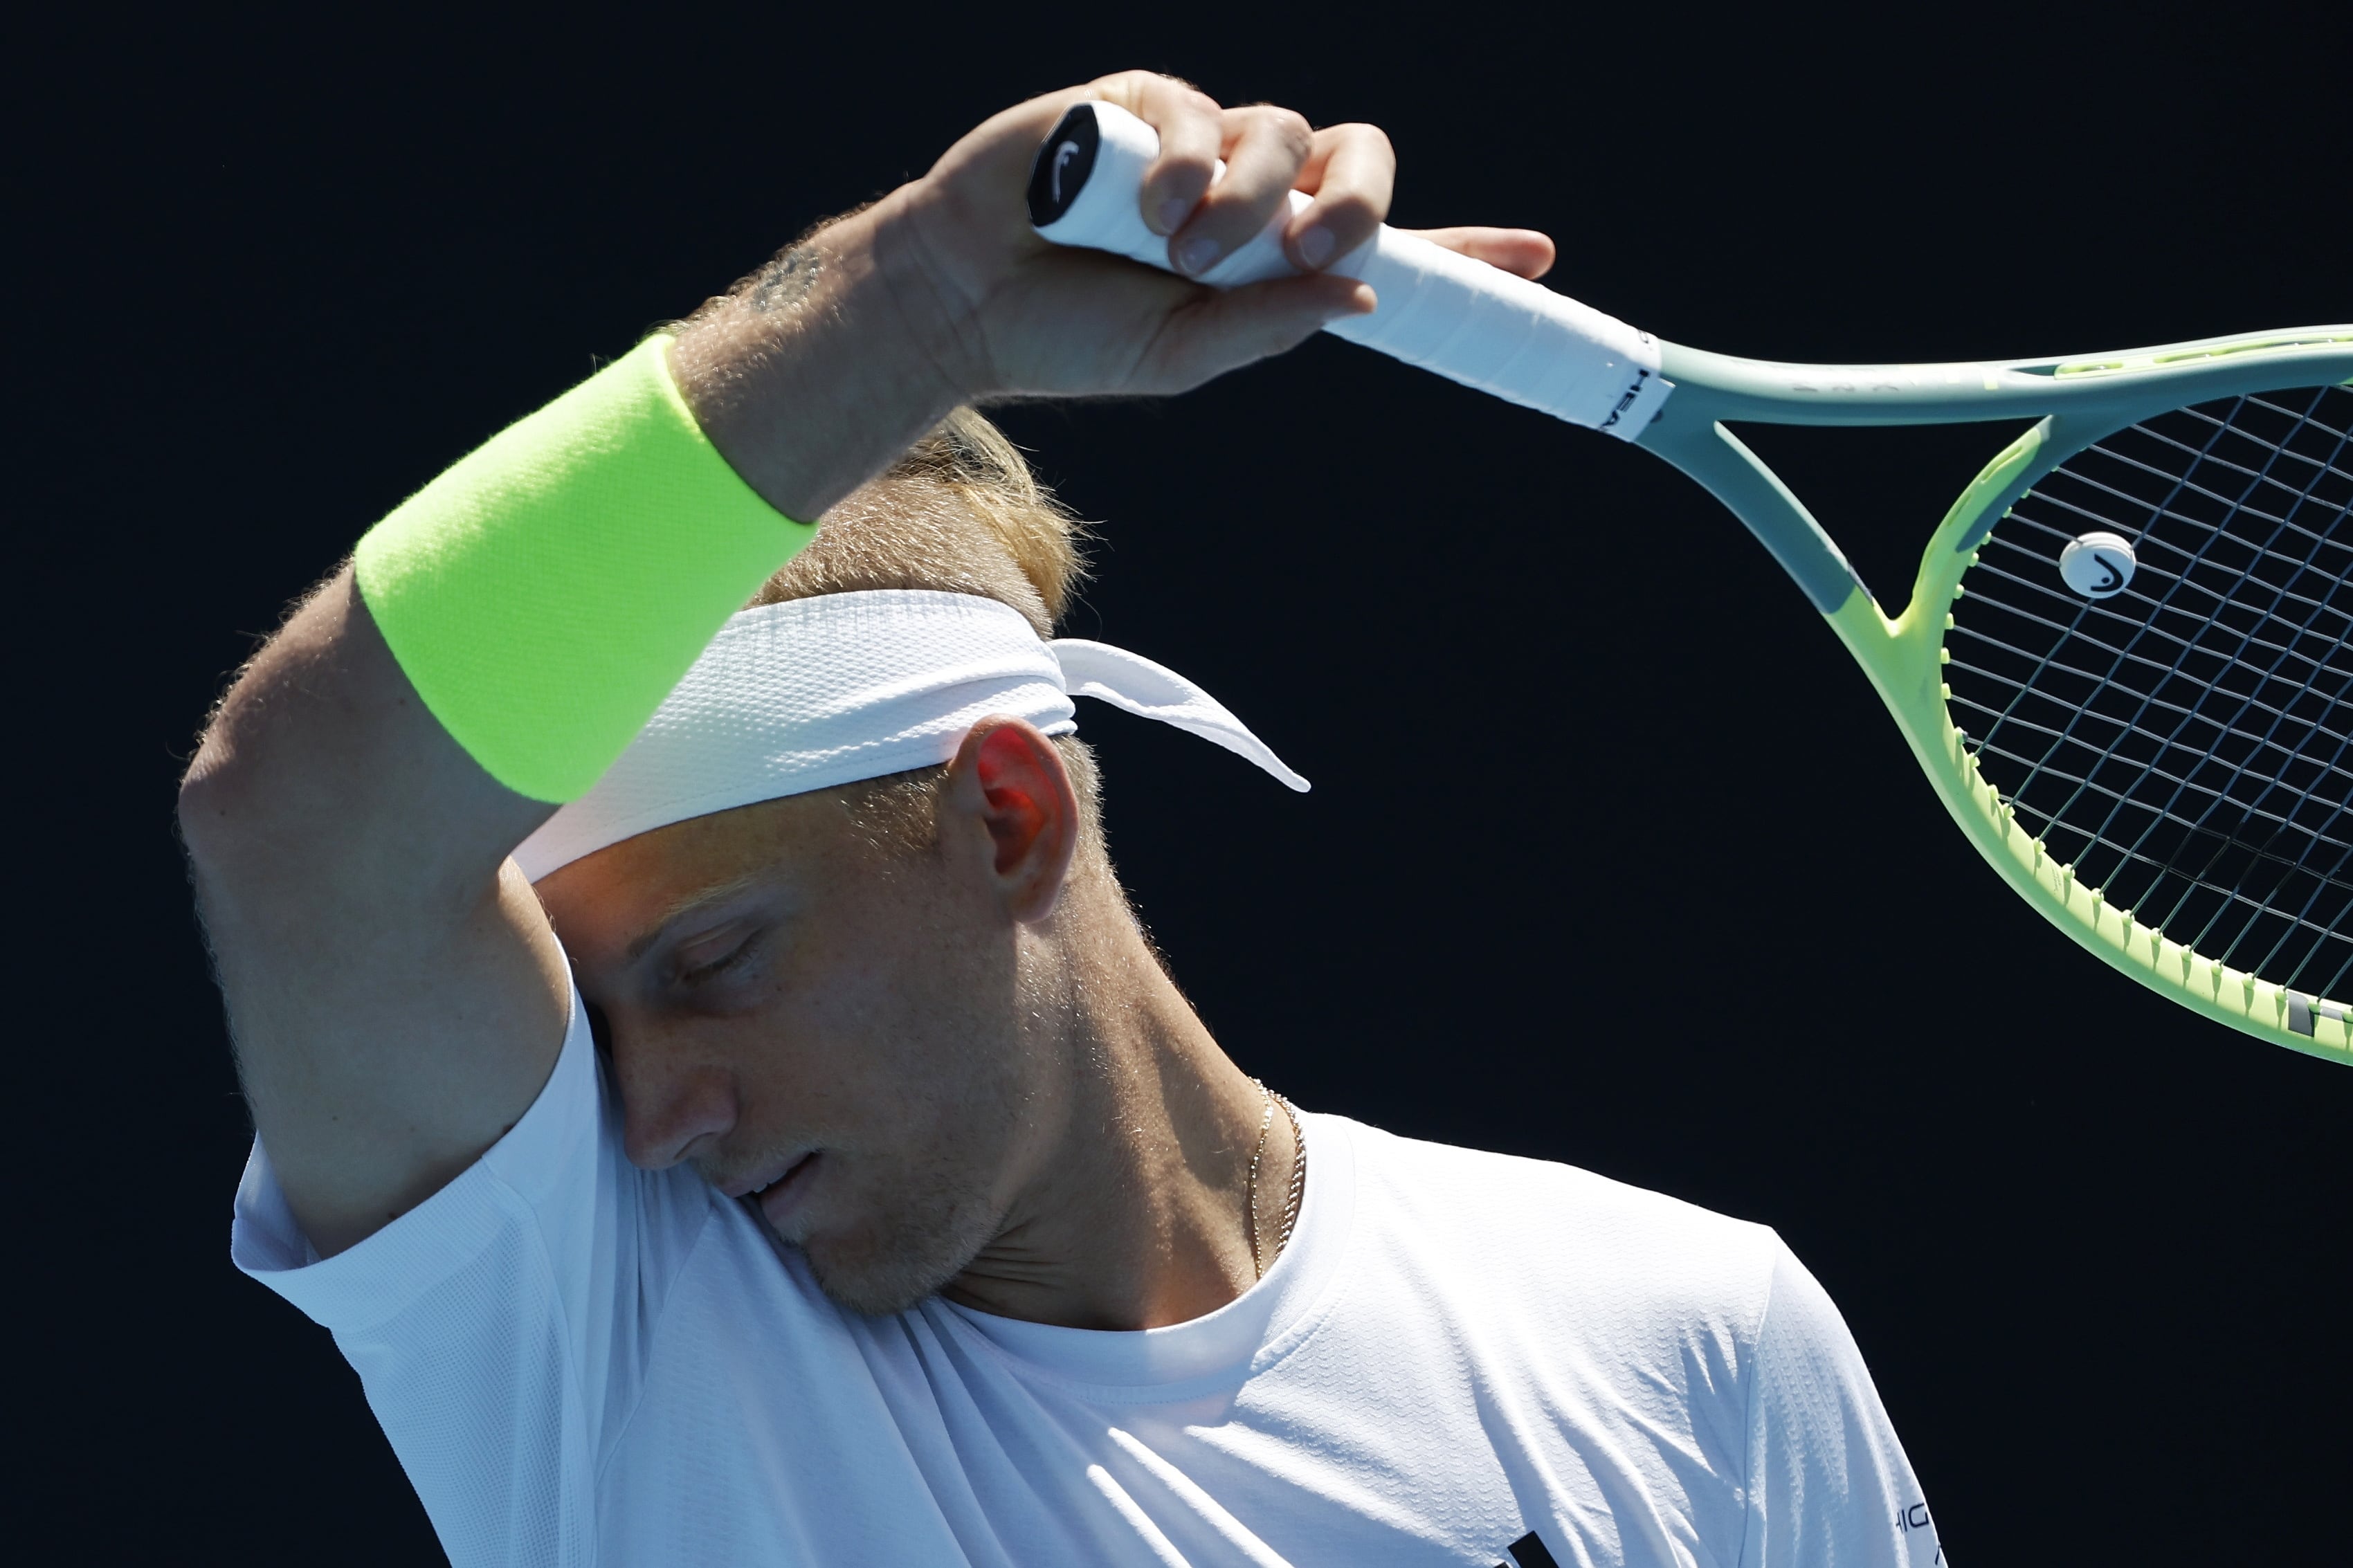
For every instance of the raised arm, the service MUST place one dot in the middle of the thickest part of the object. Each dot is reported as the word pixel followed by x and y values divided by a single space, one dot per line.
pixel 395 996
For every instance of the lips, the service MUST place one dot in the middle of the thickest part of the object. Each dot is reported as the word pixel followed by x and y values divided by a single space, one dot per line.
pixel 780 1198
pixel 758 1179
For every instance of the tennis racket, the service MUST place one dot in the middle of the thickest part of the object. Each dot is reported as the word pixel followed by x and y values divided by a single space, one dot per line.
pixel 2125 664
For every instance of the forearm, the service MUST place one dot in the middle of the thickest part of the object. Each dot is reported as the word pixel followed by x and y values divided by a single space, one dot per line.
pixel 323 759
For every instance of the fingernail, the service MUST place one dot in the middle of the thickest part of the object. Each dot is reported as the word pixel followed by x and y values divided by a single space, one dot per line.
pixel 1316 245
pixel 1197 255
pixel 1171 214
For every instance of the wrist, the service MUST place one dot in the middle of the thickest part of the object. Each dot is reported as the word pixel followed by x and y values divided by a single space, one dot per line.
pixel 817 372
pixel 922 253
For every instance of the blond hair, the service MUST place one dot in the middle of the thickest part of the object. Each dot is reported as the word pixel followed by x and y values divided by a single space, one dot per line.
pixel 960 512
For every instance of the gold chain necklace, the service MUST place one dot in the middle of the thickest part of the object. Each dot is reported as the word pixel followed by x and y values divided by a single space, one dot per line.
pixel 1298 1176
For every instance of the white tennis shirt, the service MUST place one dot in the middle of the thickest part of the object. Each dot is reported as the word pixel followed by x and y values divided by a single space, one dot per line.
pixel 582 1363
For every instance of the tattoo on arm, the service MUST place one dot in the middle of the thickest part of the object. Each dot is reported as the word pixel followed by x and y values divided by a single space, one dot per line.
pixel 779 285
pixel 786 282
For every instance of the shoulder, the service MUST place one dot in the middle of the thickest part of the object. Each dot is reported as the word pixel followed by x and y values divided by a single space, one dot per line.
pixel 1552 1238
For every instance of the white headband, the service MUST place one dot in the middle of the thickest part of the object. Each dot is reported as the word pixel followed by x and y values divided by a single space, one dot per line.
pixel 829 690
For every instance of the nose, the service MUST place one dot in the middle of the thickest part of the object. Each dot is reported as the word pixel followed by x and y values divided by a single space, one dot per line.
pixel 668 1110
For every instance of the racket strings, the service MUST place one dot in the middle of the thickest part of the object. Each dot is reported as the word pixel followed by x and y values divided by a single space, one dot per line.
pixel 2160 702
pixel 2186 745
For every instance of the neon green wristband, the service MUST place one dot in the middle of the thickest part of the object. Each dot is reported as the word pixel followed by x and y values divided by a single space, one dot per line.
pixel 546 593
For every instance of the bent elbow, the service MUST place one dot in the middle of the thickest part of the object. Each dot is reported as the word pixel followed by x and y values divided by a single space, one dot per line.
pixel 221 806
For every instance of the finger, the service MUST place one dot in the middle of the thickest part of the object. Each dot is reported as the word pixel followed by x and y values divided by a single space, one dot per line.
pixel 1523 252
pixel 1225 330
pixel 1265 148
pixel 1192 138
pixel 1350 171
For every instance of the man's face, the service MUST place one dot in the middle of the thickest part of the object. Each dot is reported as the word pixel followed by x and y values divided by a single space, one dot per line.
pixel 831 1022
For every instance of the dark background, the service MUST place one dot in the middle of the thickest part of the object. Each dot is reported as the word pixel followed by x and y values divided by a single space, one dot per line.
pixel 1612 856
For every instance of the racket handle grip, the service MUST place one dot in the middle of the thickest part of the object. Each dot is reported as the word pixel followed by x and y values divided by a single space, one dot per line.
pixel 1443 311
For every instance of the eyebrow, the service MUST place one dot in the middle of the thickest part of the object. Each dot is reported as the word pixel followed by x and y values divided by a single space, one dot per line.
pixel 694 903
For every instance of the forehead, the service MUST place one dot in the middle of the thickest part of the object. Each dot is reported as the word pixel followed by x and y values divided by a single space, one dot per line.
pixel 633 886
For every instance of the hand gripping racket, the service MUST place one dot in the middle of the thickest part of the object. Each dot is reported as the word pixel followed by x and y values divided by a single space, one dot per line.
pixel 2125 664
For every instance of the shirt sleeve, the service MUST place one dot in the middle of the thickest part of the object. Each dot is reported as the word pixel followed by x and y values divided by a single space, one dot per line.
pixel 500 1328
pixel 1829 1486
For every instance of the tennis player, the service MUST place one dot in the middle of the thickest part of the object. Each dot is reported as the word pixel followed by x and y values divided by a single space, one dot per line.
pixel 710 1081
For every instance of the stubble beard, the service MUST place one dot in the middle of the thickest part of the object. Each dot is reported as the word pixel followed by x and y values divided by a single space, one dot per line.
pixel 940 1224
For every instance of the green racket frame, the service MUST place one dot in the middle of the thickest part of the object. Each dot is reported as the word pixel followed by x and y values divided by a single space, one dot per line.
pixel 2078 400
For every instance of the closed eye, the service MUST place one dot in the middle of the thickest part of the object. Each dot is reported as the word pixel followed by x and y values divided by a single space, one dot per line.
pixel 692 968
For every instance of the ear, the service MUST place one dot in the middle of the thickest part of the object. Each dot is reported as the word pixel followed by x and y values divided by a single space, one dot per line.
pixel 1010 804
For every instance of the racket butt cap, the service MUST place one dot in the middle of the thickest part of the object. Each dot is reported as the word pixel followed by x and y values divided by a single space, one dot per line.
pixel 1059 173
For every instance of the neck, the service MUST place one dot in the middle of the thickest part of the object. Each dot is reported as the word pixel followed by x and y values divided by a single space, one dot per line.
pixel 1133 1212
